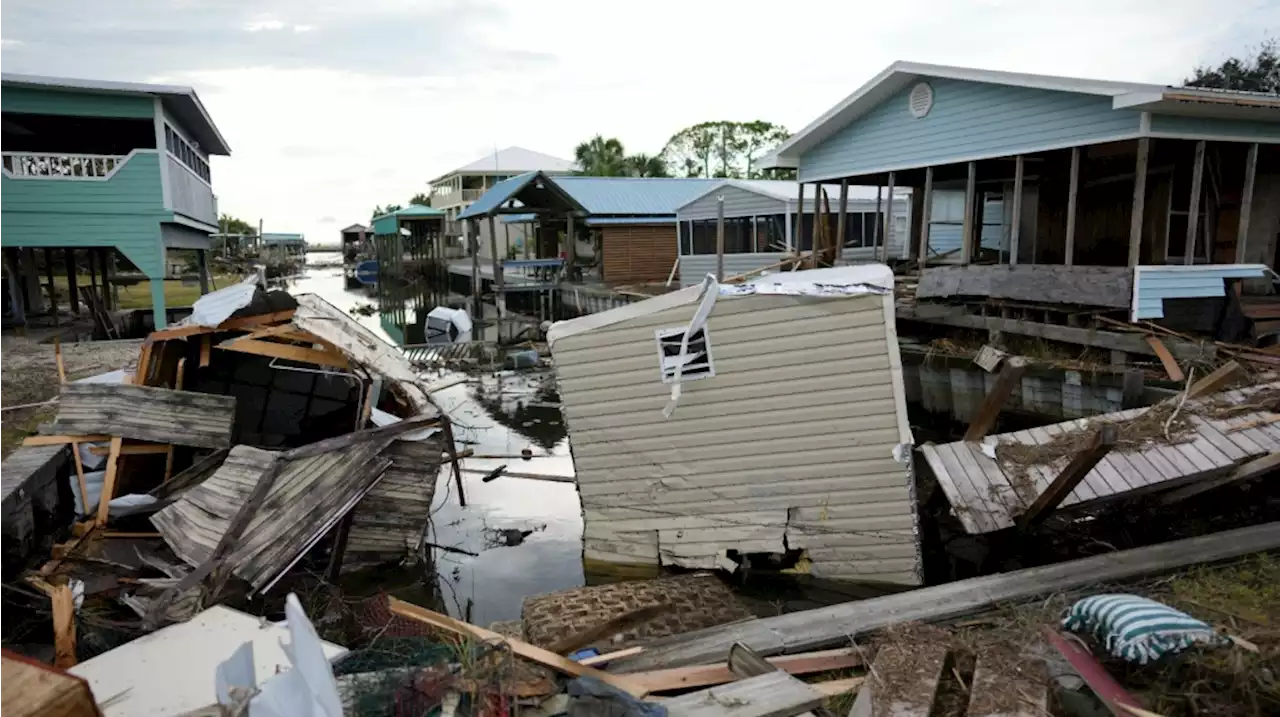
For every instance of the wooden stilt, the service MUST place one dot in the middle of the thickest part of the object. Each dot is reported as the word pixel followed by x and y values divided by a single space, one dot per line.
pixel 1193 212
pixel 1072 189
pixel 888 219
pixel 970 192
pixel 1070 477
pixel 720 238
pixel 926 213
pixel 841 221
pixel 1009 378
pixel 1015 230
pixel 73 290
pixel 1139 201
pixel 109 481
pixel 1246 201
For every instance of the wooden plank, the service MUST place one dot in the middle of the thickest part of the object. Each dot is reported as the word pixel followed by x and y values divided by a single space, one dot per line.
pixel 831 688
pixel 720 238
pixel 1010 378
pixel 775 694
pixel 1217 380
pixel 286 351
pixel 109 481
pixel 1230 449
pixel 1139 201
pixel 1041 436
pixel 1246 202
pixel 54 440
pixel 242 322
pixel 34 689
pixel 1015 230
pixel 1073 185
pixel 519 647
pixel 888 219
pixel 997 484
pixel 836 624
pixel 926 213
pixel 842 220
pixel 132 449
pixel 145 413
pixel 904 683
pixel 684 678
pixel 1092 482
pixel 1252 469
pixel 971 506
pixel 1193 212
pixel 970 191
pixel 1105 286
pixel 995 678
pixel 1167 360
pixel 206 350
pixel 143 371
pixel 798 228
pixel 610 656
pixel 1070 476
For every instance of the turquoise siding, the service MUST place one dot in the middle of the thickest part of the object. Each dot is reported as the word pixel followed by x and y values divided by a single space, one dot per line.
pixel 1157 283
pixel 124 211
pixel 1208 128
pixel 968 120
pixel 386 224
pixel 78 103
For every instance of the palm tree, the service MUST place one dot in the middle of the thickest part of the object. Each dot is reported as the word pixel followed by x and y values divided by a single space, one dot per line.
pixel 600 157
pixel 420 198
pixel 646 165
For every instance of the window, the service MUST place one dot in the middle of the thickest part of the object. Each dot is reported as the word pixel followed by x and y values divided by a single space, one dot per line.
pixel 185 153
pixel 694 363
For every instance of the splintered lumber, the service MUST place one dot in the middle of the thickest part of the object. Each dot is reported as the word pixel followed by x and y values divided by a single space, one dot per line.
pixel 109 481
pixel 775 694
pixel 290 352
pixel 33 689
pixel 836 624
pixel 519 647
pixel 902 682
pixel 1167 360
pixel 1007 687
pixel 1219 379
pixel 145 413
pixel 1070 477
pixel 1009 378
pixel 1252 469
pixel 683 678
pixel 831 688
pixel 58 440
pixel 610 656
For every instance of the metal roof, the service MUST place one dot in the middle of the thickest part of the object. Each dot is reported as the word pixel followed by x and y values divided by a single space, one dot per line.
pixel 282 238
pixel 612 196
pixel 181 101
pixel 617 221
pixel 512 160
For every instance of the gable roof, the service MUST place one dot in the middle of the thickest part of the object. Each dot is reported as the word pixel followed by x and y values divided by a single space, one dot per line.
pixel 355 228
pixel 512 160
pixel 181 102
pixel 1126 95
pixel 785 190
pixel 600 196
pixel 282 238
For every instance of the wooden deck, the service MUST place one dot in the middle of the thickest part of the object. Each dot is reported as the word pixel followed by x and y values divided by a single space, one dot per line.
pixel 987 496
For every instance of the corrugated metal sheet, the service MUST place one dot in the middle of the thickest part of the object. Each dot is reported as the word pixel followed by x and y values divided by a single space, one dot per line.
pixel 633 195
pixel 1153 284
pixel 308 498
pixel 790 445
pixel 619 221
pixel 146 413
pixel 218 306
pixel 282 238
pixel 497 194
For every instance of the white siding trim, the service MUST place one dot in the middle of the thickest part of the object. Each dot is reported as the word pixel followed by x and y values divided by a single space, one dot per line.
pixel 1215 137
pixel 161 145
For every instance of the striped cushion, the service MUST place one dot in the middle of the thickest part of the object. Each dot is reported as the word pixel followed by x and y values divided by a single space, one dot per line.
pixel 1137 629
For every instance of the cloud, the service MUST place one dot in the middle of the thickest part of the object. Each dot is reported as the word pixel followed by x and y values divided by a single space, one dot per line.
pixel 260 25
pixel 303 28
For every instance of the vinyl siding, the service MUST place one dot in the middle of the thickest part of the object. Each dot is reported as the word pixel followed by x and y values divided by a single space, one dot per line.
pixel 189 195
pixel 76 103
pixel 124 211
pixel 738 202
pixel 693 267
pixel 638 253
pixel 968 120
pixel 1209 128
pixel 789 445
pixel 1154 284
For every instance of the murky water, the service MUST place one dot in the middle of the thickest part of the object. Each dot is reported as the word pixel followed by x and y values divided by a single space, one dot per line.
pixel 496 415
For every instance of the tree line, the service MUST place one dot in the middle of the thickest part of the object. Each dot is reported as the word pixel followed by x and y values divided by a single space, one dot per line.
pixel 708 149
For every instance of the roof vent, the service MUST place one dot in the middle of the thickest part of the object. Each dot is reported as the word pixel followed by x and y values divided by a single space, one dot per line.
pixel 920 101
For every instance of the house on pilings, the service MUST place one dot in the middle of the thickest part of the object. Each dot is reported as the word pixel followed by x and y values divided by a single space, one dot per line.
pixel 1121 200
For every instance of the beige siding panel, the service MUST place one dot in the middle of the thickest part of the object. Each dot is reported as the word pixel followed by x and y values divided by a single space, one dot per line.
pixel 779 461
pixel 744 421
pixel 861 428
pixel 884 499
pixel 661 521
pixel 624 456
pixel 881 396
pixel 883 472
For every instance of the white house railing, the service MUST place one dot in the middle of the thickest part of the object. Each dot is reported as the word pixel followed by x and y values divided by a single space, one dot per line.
pixel 48 165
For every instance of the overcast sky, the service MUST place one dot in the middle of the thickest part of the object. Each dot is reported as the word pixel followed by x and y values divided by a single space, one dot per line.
pixel 333 107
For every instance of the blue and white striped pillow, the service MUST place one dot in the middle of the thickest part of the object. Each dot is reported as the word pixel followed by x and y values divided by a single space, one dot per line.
pixel 1137 629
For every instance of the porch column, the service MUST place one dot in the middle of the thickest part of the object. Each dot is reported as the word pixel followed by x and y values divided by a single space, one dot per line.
pixel 888 219
pixel 1073 184
pixel 31 282
pixel 12 267
pixel 1139 201
pixel 1015 231
pixel 157 303
pixel 1246 201
pixel 926 212
pixel 202 266
pixel 73 290
pixel 841 220
pixel 1193 209
pixel 571 245
pixel 798 232
pixel 970 192
pixel 499 286
pixel 53 292
pixel 107 259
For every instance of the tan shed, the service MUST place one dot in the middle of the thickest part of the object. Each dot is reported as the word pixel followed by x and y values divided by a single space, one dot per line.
pixel 780 426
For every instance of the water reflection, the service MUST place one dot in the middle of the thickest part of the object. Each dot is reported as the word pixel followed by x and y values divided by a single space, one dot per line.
pixel 496 414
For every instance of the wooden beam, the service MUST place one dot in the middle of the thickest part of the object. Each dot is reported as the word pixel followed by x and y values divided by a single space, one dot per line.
pixel 446 427
pixel 206 350
pixel 775 694
pixel 132 449
pixel 1015 230
pixel 243 322
pixel 1139 201
pixel 611 656
pixel 73 289
pixel 518 647
pixel 888 218
pixel 143 370
pixel 1193 213
pixel 109 481
pixel 720 238
pixel 684 678
pixel 1246 201
pixel 286 351
pixel 60 439
pixel 841 220
pixel 987 414
pixel 571 245
pixel 915 672
pixel 926 214
pixel 1170 364
pixel 970 196
pixel 499 284
pixel 1070 477
pixel 1219 379
pixel 63 607
pixel 797 232
pixel 1073 186
pixel 1252 469
pixel 837 624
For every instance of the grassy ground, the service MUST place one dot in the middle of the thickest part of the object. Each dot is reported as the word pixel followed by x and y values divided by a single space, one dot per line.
pixel 138 296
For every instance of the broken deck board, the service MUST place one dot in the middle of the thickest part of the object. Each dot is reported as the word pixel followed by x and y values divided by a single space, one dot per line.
pixel 1008 686
pixel 146 413
pixel 904 682
pixel 988 495
pixel 835 625
pixel 1039 284
pixel 775 694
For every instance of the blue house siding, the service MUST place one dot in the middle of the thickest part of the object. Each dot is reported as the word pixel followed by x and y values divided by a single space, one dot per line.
pixel 1209 128
pixel 79 103
pixel 1154 284
pixel 968 120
